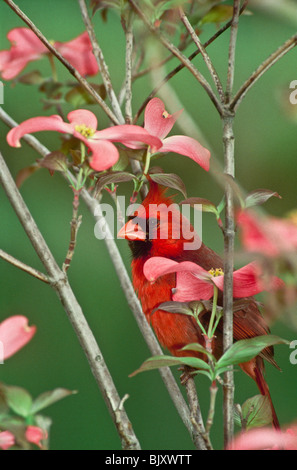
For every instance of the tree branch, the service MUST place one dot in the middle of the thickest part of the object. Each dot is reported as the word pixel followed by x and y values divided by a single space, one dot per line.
pixel 24 267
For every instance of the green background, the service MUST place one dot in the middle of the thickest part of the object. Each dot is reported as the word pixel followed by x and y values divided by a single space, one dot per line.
pixel 265 157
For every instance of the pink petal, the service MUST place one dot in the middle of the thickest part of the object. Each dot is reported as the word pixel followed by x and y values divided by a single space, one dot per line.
pixel 79 53
pixel 51 123
pixel 156 119
pixel 26 41
pixel 25 48
pixel 14 334
pixel 83 116
pixel 189 147
pixel 35 435
pixel 128 133
pixel 264 438
pixel 104 154
pixel 6 440
pixel 249 280
pixel 159 266
pixel 193 282
pixel 190 287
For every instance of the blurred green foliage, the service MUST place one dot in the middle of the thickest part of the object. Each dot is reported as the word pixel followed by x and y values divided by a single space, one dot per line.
pixel 265 158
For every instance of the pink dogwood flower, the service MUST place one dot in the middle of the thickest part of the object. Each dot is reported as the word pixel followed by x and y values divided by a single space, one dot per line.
pixel 158 122
pixel 270 236
pixel 35 435
pixel 7 440
pixel 14 334
pixel 195 283
pixel 26 47
pixel 265 439
pixel 82 125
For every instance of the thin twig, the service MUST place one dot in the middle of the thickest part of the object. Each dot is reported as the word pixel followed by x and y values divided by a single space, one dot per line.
pixel 62 59
pixel 24 267
pixel 128 80
pixel 232 48
pixel 75 224
pixel 269 62
pixel 182 58
pixel 206 58
pixel 101 62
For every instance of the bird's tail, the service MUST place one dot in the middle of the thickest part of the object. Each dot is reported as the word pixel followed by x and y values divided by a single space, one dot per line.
pixel 264 390
pixel 255 369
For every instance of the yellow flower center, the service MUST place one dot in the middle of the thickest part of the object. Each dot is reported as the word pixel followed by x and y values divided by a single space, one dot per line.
pixel 84 130
pixel 216 272
pixel 165 115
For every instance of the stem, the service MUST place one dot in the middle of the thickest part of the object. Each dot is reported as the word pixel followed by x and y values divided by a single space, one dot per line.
pixel 213 394
pixel 211 330
pixel 75 224
pixel 232 47
pixel 128 81
pixel 59 283
pixel 228 275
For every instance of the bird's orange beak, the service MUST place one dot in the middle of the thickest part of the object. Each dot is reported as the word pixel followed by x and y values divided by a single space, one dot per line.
pixel 132 231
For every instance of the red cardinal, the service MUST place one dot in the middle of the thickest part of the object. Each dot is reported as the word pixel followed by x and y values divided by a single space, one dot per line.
pixel 150 234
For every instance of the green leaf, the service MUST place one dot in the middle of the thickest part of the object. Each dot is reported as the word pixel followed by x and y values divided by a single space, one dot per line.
pixel 78 96
pixel 25 173
pixel 218 14
pixel 167 361
pixel 54 161
pixel 18 400
pixel 198 348
pixel 114 177
pixel 48 398
pixel 246 349
pixel 170 180
pixel 259 196
pixel 256 412
pixel 31 78
pixel 175 307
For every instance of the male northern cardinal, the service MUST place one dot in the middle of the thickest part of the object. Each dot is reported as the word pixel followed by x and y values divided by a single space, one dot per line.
pixel 174 330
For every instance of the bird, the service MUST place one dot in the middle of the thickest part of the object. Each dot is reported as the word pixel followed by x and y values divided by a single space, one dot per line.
pixel 143 230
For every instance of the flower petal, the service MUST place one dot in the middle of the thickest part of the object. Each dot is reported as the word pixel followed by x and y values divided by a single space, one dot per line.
pixel 156 119
pixel 25 47
pixel 189 147
pixel 7 440
pixel 50 123
pixel 249 280
pixel 79 54
pixel 14 334
pixel 127 133
pixel 104 154
pixel 83 116
pixel 188 285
